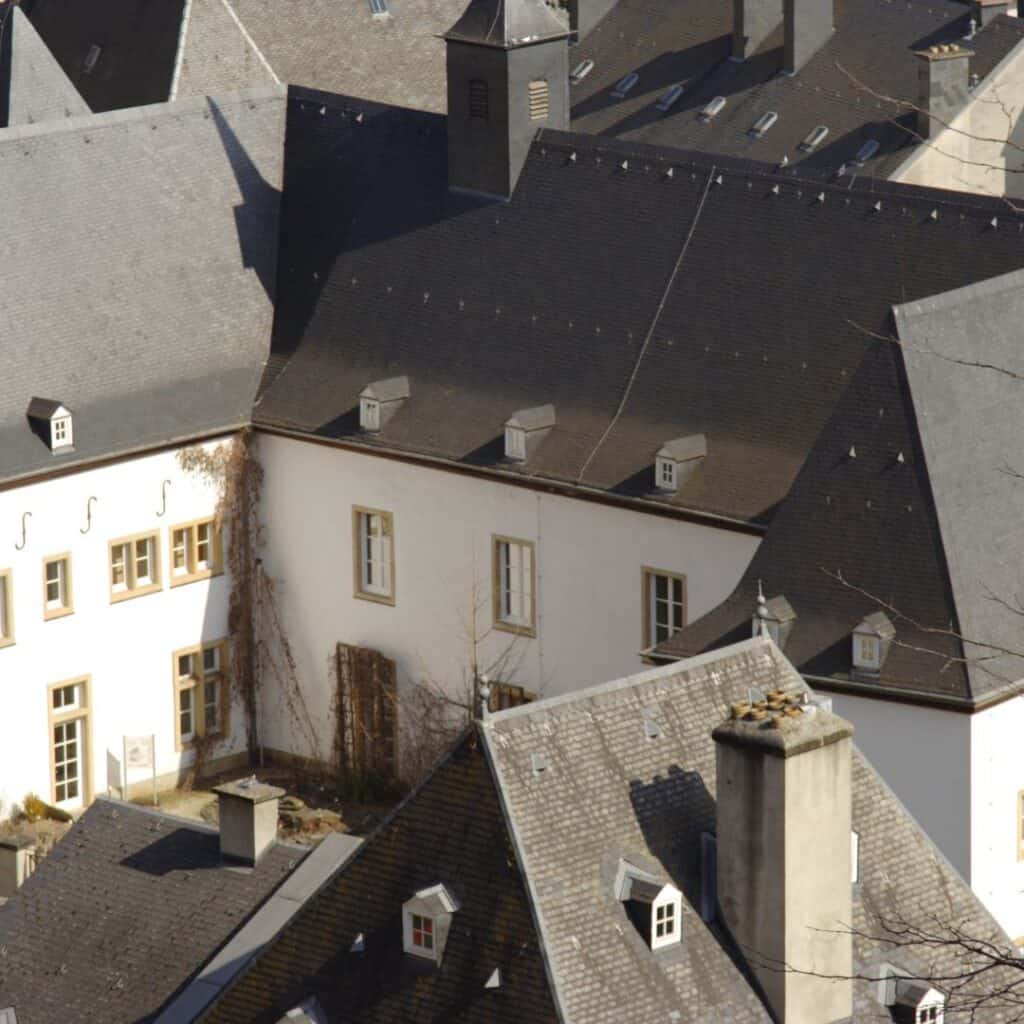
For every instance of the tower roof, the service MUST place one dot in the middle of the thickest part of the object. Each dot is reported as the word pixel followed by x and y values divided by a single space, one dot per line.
pixel 506 23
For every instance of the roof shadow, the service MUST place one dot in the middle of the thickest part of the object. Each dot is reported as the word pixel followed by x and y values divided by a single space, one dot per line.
pixel 183 849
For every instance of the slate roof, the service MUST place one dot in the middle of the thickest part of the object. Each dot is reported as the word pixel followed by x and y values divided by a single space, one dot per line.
pixel 608 793
pixel 451 831
pixel 859 534
pixel 752 310
pixel 691 44
pixel 122 912
pixel 33 87
pixel 138 283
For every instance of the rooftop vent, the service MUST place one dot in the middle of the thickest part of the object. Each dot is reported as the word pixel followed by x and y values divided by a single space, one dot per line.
pixel 91 58
pixel 494 980
pixel 52 422
pixel 655 907
pixel 248 819
pixel 866 152
pixel 712 109
pixel 581 71
pixel 774 618
pixel 379 401
pixel 426 920
pixel 525 429
pixel 677 461
pixel 625 84
pixel 668 99
pixel 872 639
pixel 538 764
pixel 763 123
pixel 814 138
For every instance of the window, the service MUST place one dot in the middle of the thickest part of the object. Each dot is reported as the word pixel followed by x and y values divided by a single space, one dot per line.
pixel 666 475
pixel 514 607
pixel 57 587
pixel 422 932
pixel 373 537
pixel 515 444
pixel 854 857
pixel 134 566
pixel 196 551
pixel 664 605
pixel 664 921
pixel 201 693
pixel 69 740
pixel 478 99
pixel 62 432
pixel 666 915
pixel 540 100
pixel 6 608
pixel 504 696
pixel 369 414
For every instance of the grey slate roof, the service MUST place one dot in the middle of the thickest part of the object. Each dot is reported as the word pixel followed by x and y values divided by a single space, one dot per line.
pixel 140 252
pixel 925 538
pixel 769 300
pixel 609 793
pixel 874 40
pixel 121 914
pixel 33 87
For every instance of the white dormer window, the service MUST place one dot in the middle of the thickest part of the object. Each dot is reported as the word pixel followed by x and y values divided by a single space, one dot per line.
pixel 653 906
pixel 369 415
pixel 62 436
pixel 865 652
pixel 515 444
pixel 871 641
pixel 426 919
pixel 666 475
pixel 423 934
pixel 51 422
pixel 666 918
pixel 933 1014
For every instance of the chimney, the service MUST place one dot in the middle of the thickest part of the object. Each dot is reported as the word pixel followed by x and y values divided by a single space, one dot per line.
pixel 753 22
pixel 248 819
pixel 784 852
pixel 17 860
pixel 942 87
pixel 809 24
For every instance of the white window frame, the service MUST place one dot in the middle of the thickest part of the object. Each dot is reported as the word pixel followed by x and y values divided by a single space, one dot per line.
pixel 667 477
pixel 61 432
pixel 373 538
pixel 73 714
pixel 127 556
pixel 183 539
pixel 515 585
pixel 867 651
pixel 666 910
pixel 369 415
pixel 650 577
pixel 191 688
pixel 62 604
pixel 515 444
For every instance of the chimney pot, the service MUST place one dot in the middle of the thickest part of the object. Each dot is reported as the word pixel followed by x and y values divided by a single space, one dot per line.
pixel 248 819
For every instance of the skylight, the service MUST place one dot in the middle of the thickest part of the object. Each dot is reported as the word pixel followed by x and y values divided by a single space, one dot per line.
pixel 814 139
pixel 866 152
pixel 379 8
pixel 625 84
pixel 668 98
pixel 712 109
pixel 763 123
pixel 581 71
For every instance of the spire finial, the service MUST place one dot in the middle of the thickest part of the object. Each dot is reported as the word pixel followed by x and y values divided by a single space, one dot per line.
pixel 762 611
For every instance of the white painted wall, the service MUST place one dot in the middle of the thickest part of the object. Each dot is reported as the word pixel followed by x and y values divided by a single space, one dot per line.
pixel 126 647
pixel 983 149
pixel 997 776
pixel 589 559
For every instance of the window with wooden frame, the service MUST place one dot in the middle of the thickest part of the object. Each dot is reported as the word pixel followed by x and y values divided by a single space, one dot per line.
pixel 505 696
pixel 513 583
pixel 664 605
pixel 201 693
pixel 57 586
pixel 373 540
pixel 6 607
pixel 134 566
pixel 70 742
pixel 196 551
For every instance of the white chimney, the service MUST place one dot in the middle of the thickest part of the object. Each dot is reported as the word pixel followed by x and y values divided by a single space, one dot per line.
pixel 784 853
pixel 17 860
pixel 248 819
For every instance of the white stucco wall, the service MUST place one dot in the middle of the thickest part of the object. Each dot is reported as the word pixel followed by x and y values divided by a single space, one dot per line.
pixel 126 648
pixel 983 149
pixel 997 776
pixel 589 560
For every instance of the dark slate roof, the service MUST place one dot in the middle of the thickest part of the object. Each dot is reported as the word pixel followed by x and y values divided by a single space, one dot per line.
pixel 691 44
pixel 608 793
pixel 33 87
pixel 870 532
pixel 138 41
pixel 450 830
pixel 506 23
pixel 751 308
pixel 121 914
pixel 138 285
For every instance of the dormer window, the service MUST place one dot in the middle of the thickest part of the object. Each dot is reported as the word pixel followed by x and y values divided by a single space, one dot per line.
pixel 61 427
pixel 666 475
pixel 774 617
pixel 379 401
pixel 52 422
pixel 653 906
pixel 871 641
pixel 426 919
pixel 515 444
pixel 677 461
pixel 525 429
pixel 916 1002
pixel 666 923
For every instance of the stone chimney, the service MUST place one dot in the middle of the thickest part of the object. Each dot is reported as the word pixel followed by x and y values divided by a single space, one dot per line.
pixel 248 819
pixel 753 22
pixel 783 836
pixel 17 858
pixel 943 86
pixel 809 25
pixel 508 77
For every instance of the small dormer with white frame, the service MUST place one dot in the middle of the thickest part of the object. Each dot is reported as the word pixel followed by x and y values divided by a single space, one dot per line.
pixel 654 907
pixel 53 422
pixel 525 429
pixel 872 638
pixel 677 461
pixel 916 1002
pixel 774 617
pixel 379 401
pixel 426 920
